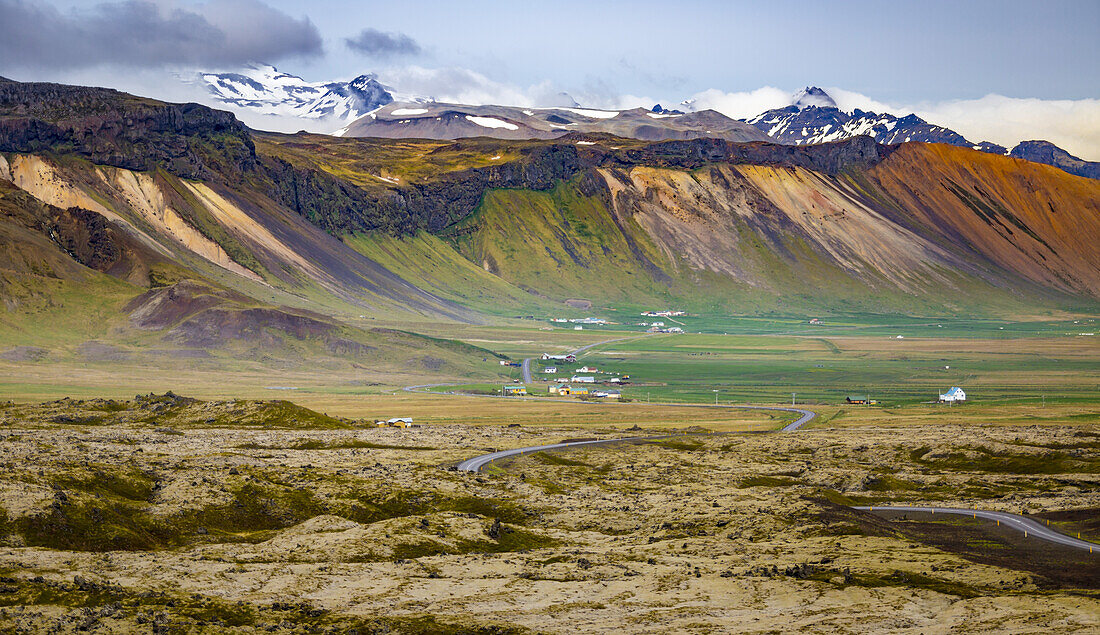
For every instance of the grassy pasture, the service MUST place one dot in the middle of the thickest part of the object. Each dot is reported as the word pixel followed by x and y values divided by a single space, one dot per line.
pixel 824 370
pixel 1008 374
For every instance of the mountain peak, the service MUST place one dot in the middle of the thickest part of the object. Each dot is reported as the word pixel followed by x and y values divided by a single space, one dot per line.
pixel 812 96
pixel 263 89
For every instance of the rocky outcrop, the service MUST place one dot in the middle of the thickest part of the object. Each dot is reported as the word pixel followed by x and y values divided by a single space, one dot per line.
pixel 85 236
pixel 830 158
pixel 112 128
pixel 340 207
pixel 1050 154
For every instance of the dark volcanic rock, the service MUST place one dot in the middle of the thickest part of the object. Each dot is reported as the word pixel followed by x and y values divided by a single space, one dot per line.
pixel 113 128
pixel 340 207
pixel 830 158
pixel 1050 154
pixel 84 236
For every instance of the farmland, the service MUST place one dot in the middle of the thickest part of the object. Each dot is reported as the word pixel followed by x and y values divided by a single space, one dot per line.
pixel 999 363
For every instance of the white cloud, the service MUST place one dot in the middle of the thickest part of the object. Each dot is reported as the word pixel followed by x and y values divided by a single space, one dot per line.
pixel 848 101
pixel 626 102
pixel 457 85
pixel 1073 125
pixel 744 104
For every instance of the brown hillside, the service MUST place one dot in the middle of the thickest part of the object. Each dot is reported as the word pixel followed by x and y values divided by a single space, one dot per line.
pixel 1031 219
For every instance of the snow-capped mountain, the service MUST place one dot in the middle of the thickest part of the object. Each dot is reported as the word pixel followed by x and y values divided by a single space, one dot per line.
pixel 264 96
pixel 813 96
pixel 264 90
pixel 813 117
pixel 437 120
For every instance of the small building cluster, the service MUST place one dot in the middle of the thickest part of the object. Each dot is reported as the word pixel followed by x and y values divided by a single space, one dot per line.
pixel 657 329
pixel 396 422
pixel 514 391
pixel 670 313
pixel 860 400
pixel 583 391
pixel 581 381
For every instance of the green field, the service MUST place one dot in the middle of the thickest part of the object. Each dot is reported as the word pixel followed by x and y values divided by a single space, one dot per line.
pixel 997 362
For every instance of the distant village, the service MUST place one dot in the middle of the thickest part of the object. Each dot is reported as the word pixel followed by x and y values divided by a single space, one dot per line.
pixel 652 327
pixel 591 382
pixel 585 381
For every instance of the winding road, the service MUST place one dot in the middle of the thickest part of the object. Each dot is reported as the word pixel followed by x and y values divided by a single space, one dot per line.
pixel 1027 526
pixel 1015 521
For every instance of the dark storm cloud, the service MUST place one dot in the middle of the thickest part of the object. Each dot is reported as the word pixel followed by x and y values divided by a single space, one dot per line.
pixel 378 43
pixel 144 34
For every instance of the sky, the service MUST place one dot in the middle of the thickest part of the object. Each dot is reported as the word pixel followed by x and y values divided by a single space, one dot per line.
pixel 1002 71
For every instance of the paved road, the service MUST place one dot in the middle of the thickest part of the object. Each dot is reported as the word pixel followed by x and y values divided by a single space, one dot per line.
pixel 475 464
pixel 1014 521
pixel 526 366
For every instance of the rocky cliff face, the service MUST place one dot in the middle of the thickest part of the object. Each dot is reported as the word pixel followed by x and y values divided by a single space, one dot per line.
pixel 112 128
pixel 341 207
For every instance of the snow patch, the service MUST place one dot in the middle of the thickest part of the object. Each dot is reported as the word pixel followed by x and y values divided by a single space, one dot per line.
pixel 400 112
pixel 594 114
pixel 491 122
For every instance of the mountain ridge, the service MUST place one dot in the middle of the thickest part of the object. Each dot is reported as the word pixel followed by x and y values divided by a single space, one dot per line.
pixel 373 110
pixel 817 119
pixel 317 222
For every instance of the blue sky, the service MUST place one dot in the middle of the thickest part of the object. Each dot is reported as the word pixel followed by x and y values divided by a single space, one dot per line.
pixel 1002 71
pixel 901 51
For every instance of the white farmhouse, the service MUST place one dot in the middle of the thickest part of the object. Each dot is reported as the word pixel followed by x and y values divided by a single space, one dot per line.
pixel 953 395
